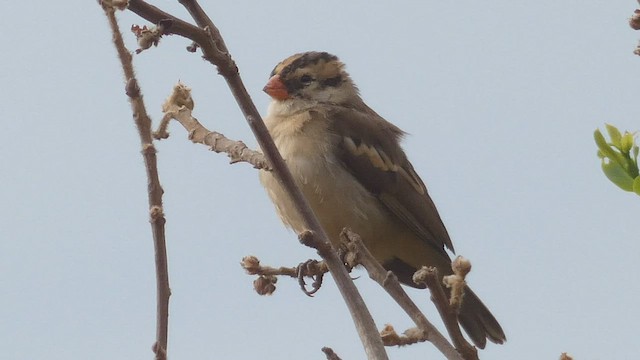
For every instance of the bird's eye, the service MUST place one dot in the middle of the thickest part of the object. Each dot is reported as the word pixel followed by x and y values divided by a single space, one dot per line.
pixel 305 79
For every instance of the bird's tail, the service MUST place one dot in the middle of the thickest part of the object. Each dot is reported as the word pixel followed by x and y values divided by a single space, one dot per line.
pixel 478 322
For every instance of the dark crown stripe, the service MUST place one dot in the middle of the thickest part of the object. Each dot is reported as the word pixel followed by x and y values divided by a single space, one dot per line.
pixel 307 59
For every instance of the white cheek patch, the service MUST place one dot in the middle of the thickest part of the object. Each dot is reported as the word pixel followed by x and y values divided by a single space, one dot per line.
pixel 285 108
pixel 329 94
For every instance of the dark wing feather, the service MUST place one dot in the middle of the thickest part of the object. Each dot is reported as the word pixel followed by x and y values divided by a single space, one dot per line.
pixel 377 161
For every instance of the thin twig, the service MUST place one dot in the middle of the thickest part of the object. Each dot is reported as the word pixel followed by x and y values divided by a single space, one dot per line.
pixel 358 252
pixel 157 219
pixel 448 313
pixel 214 50
pixel 179 106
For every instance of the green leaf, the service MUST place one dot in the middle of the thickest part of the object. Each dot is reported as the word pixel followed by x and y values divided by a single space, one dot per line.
pixel 614 134
pixel 626 142
pixel 634 159
pixel 606 149
pixel 618 175
pixel 601 142
pixel 636 185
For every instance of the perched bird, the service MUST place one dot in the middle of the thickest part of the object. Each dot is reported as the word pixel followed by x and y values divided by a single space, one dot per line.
pixel 349 164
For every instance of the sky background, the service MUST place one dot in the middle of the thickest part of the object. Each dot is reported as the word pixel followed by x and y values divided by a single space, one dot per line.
pixel 500 97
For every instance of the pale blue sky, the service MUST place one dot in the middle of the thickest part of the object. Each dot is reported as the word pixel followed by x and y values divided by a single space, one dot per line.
pixel 500 98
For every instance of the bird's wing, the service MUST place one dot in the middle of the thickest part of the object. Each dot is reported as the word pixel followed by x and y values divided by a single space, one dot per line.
pixel 376 160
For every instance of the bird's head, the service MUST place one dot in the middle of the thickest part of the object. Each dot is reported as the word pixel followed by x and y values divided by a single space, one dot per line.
pixel 312 76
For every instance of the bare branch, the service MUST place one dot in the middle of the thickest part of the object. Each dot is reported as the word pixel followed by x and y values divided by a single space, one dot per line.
pixel 179 106
pixel 156 215
pixel 356 251
pixel 215 51
pixel 311 268
pixel 448 313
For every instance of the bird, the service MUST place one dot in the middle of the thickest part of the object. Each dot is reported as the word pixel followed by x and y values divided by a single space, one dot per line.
pixel 348 162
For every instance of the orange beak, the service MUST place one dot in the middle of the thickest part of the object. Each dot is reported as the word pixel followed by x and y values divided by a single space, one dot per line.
pixel 276 89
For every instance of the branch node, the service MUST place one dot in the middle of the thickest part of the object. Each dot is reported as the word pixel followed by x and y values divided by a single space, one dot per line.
pixel 411 336
pixel 156 212
pixel 330 354
pixel 132 89
pixel 148 148
pixel 192 134
pixel 193 47
pixel 309 238
pixel 165 26
pixel 160 351
pixel 390 278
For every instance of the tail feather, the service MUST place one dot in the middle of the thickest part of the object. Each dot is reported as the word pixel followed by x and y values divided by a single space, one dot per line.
pixel 478 322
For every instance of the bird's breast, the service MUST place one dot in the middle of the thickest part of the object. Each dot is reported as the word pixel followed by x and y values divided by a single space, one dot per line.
pixel 336 197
